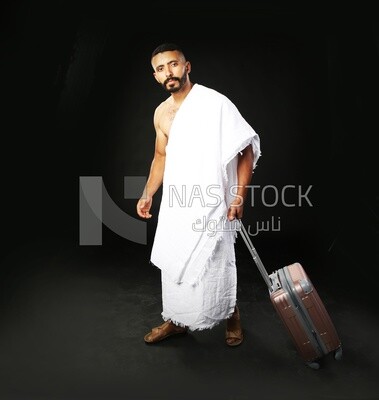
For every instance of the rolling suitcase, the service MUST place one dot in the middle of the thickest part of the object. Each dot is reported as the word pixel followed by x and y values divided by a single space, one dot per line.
pixel 300 308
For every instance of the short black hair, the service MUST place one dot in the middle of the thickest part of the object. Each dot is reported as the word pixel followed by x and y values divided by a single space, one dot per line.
pixel 166 47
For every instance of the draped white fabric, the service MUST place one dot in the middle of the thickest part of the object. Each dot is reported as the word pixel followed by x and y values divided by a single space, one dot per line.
pixel 211 301
pixel 206 136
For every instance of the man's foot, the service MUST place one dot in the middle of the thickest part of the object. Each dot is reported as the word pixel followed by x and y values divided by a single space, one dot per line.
pixel 234 334
pixel 163 331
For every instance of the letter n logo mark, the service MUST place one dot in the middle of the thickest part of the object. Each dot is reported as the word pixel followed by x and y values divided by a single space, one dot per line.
pixel 97 208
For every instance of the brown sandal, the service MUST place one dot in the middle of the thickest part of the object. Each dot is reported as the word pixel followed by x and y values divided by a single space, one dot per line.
pixel 234 334
pixel 163 331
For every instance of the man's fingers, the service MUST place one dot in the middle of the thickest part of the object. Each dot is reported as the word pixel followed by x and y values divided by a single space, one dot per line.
pixel 144 214
pixel 232 213
pixel 143 209
pixel 235 212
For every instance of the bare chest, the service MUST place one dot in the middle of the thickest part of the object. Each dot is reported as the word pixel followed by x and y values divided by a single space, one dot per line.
pixel 167 118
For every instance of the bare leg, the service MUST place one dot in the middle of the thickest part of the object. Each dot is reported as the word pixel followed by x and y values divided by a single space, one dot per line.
pixel 234 334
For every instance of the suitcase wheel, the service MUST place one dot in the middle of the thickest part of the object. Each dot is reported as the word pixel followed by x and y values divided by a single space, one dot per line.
pixel 313 364
pixel 338 353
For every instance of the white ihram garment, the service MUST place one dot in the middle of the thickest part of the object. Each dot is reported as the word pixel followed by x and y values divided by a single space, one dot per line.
pixel 194 242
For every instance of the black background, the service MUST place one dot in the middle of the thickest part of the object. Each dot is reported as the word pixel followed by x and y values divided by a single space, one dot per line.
pixel 78 96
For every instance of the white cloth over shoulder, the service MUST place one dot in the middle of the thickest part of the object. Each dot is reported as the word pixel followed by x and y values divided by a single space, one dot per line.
pixel 205 138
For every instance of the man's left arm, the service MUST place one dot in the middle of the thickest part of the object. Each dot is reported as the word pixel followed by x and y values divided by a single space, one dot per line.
pixel 244 175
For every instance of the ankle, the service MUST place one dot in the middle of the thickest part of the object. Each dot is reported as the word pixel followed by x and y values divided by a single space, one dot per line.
pixel 236 313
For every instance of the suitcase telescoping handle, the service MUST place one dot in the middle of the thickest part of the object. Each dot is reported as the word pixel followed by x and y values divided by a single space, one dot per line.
pixel 256 258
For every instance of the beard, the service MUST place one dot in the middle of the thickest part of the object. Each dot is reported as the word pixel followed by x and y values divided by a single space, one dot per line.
pixel 175 89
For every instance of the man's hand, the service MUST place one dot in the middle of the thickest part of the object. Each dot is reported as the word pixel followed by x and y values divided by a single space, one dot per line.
pixel 143 207
pixel 235 209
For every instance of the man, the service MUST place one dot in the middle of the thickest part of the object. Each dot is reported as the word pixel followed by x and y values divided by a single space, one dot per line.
pixel 205 154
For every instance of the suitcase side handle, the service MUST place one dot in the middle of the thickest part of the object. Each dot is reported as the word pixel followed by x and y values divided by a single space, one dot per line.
pixel 245 236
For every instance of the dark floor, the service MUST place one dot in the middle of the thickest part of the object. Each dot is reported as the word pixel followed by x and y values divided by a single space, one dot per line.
pixel 74 317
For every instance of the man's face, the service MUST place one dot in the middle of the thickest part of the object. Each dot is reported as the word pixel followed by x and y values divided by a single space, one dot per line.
pixel 170 70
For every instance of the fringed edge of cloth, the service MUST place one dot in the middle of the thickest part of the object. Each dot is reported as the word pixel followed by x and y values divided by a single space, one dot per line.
pixel 203 328
pixel 257 154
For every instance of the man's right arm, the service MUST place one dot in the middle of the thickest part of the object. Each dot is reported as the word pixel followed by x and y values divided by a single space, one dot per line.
pixel 155 178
